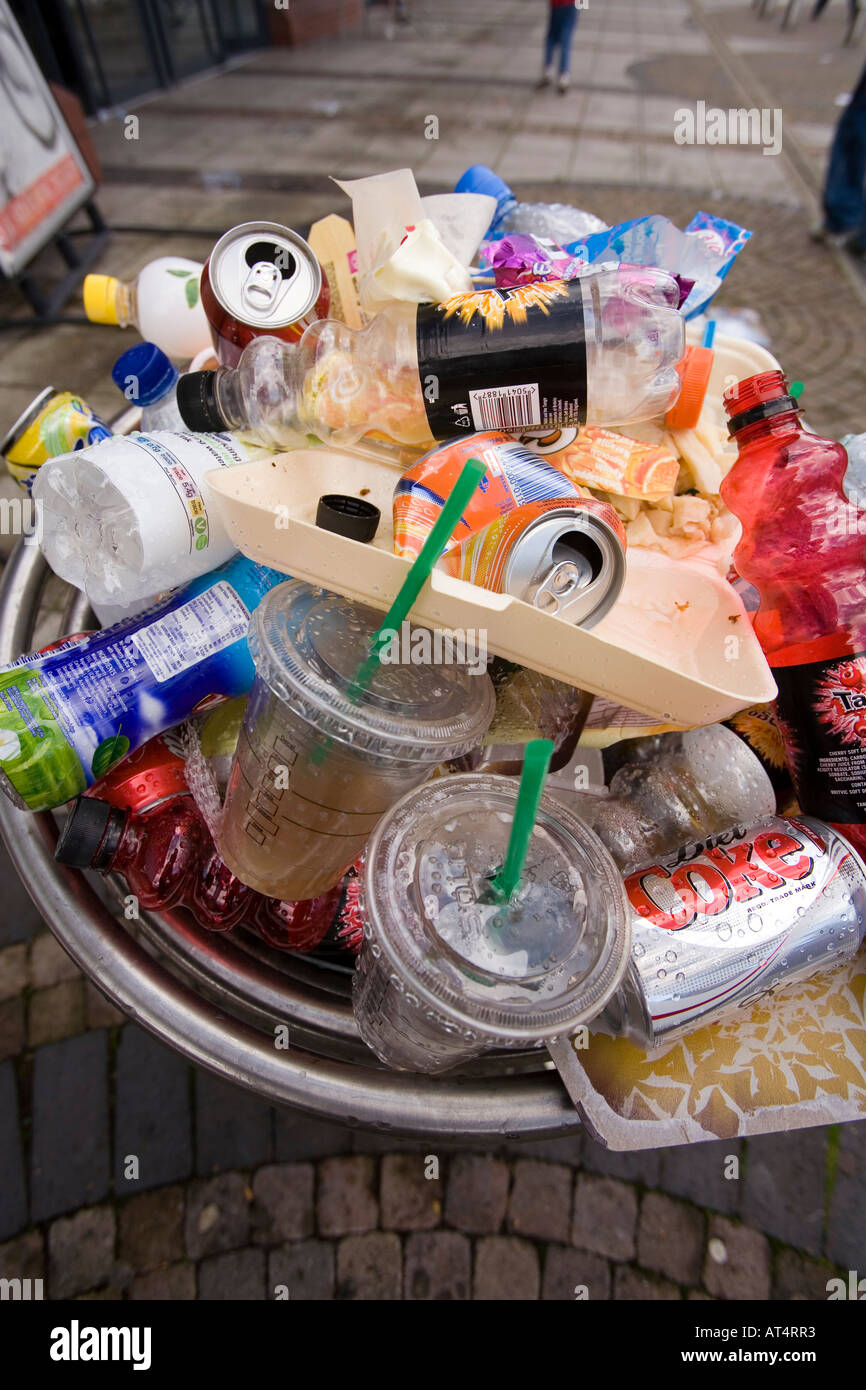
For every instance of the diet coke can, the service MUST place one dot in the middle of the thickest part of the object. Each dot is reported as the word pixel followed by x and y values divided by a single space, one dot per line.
pixel 261 278
pixel 723 922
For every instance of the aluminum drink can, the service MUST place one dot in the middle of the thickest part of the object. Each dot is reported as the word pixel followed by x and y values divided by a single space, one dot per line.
pixel 53 423
pixel 565 557
pixel 721 923
pixel 261 278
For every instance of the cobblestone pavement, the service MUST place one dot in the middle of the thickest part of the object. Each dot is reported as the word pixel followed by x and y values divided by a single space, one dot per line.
pixel 227 1197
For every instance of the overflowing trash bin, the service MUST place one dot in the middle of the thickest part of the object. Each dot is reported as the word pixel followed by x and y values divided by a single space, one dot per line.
pixel 459 721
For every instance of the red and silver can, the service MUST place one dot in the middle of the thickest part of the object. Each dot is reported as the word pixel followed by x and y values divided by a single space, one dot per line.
pixel 720 924
pixel 261 278
pixel 565 557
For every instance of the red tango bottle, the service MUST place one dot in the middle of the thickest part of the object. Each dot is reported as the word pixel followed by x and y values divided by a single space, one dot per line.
pixel 804 549
pixel 142 822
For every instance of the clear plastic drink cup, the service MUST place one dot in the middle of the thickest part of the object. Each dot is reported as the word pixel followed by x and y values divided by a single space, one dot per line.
pixel 446 971
pixel 320 760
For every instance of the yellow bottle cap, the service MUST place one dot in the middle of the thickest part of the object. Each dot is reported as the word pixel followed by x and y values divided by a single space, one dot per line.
pixel 100 294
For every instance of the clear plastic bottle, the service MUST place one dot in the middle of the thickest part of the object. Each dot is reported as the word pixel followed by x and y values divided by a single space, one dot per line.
pixel 163 302
pixel 147 378
pixel 559 221
pixel 695 784
pixel 133 519
pixel 481 361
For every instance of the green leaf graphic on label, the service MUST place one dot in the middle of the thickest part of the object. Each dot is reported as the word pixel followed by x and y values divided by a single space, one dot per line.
pixel 191 289
pixel 181 274
pixel 109 752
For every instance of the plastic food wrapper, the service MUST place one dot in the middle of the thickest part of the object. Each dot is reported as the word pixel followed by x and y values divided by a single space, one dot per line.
pixel 400 252
pixel 598 458
pixel 461 219
pixel 704 252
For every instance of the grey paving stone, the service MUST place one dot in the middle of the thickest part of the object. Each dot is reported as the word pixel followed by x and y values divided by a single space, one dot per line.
pixel 642 1166
pixel 797 1277
pixel 506 1269
pixel 233 1127
pixel 56 1012
pixel 438 1266
pixel 19 920
pixel 372 1141
pixel 783 1186
pixel 13 1188
pixel 150 1229
pixel 540 1201
pixel 744 1270
pixel 69 1155
pixel 49 963
pixel 175 1284
pixel 409 1201
pixel 152 1113
pixel 80 1251
pixel 568 1272
pixel 605 1217
pixel 12 1032
pixel 23 1257
pixel 670 1238
pixel 299 1136
pixel 369 1267
pixel 846 1231
pixel 238 1277
pixel 697 1172
pixel 217 1215
pixel 476 1193
pixel 283 1206
pixel 632 1285
pixel 99 1012
pixel 305 1269
pixel 347 1203
pixel 568 1149
pixel 14 970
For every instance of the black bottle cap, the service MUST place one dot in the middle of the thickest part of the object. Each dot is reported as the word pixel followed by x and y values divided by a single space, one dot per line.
pixel 197 403
pixel 348 516
pixel 91 834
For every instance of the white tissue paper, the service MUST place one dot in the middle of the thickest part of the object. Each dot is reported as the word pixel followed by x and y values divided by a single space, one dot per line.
pixel 401 255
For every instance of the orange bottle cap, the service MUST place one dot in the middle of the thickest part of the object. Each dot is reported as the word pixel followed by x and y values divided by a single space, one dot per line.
pixel 694 370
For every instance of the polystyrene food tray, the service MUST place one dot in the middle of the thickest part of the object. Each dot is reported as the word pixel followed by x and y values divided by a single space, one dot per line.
pixel 672 658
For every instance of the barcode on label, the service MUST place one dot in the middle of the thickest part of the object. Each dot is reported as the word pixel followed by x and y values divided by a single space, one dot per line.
pixel 506 407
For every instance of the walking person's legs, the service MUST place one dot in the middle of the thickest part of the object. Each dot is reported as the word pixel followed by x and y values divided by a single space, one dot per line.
pixel 844 198
pixel 566 35
pixel 551 43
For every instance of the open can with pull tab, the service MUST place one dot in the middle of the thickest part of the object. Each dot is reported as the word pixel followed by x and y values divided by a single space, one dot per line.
pixel 261 278
pixel 565 557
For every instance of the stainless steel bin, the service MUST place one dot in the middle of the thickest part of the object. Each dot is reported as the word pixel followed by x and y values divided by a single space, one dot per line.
pixel 218 998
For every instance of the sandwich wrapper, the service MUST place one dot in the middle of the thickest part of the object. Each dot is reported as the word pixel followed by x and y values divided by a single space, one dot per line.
pixel 794 1059
pixel 402 254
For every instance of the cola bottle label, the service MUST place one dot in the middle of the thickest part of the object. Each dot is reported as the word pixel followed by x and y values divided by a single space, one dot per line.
pixel 821 712
pixel 504 359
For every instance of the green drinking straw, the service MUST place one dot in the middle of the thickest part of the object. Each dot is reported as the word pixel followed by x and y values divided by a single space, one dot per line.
pixel 419 572
pixel 422 567
pixel 535 764
pixel 796 390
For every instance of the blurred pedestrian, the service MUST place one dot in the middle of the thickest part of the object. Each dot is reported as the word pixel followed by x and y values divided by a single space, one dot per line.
pixel 853 13
pixel 845 188
pixel 560 32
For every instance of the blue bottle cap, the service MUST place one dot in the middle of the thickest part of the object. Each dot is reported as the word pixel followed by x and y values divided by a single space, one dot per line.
pixel 479 179
pixel 144 374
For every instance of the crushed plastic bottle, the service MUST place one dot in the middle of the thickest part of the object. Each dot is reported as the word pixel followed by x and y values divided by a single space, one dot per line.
pixel 601 349
pixel 558 221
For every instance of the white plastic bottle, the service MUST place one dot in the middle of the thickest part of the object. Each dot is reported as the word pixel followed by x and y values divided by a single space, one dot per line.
pixel 133 516
pixel 147 378
pixel 163 302
pixel 602 349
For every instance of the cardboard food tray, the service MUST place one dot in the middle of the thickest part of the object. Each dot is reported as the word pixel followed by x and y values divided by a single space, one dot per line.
pixel 269 509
